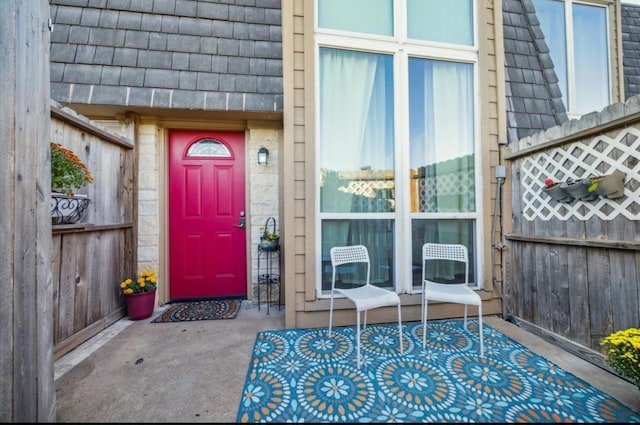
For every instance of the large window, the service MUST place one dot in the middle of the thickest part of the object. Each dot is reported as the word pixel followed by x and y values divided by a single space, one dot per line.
pixel 576 34
pixel 397 141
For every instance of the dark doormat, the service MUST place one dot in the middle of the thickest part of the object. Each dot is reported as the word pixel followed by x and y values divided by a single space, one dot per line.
pixel 200 310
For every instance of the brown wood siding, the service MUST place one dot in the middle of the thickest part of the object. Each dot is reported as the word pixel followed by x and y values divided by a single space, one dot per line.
pixel 303 309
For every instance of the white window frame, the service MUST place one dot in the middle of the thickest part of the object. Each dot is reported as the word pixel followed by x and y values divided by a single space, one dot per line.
pixel 571 79
pixel 401 49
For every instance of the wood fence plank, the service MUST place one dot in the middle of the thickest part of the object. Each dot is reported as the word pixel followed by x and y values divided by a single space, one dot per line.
pixel 624 294
pixel 83 254
pixel 95 272
pixel 578 296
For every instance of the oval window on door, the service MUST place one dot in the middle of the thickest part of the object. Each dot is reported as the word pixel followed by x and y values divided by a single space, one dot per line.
pixel 208 148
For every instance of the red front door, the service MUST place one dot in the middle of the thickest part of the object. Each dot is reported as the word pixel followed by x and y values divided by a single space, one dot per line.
pixel 207 244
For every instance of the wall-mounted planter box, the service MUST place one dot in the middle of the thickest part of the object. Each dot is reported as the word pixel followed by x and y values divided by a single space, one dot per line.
pixel 556 192
pixel 609 186
pixel 579 189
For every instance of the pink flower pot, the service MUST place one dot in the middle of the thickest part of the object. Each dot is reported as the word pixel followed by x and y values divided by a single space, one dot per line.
pixel 140 306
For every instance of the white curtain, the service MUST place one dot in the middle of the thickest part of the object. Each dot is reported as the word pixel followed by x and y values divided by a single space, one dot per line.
pixel 449 150
pixel 448 111
pixel 354 134
pixel 346 88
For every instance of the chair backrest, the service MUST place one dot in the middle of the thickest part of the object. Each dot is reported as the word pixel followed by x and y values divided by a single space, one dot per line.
pixel 444 251
pixel 349 254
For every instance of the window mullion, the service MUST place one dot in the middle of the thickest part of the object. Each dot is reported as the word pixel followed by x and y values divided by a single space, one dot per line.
pixel 403 228
pixel 571 87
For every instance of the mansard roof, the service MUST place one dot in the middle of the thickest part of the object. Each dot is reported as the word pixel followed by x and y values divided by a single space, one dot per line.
pixel 168 54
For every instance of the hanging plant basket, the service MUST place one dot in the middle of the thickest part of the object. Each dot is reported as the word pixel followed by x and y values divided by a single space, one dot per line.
pixel 556 192
pixel 270 239
pixel 268 244
pixel 609 186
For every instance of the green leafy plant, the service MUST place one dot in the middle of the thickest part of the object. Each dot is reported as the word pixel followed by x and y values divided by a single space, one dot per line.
pixel 269 235
pixel 68 172
pixel 622 353
pixel 145 282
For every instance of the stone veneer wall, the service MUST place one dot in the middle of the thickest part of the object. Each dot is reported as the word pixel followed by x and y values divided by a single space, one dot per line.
pixel 263 192
pixel 149 185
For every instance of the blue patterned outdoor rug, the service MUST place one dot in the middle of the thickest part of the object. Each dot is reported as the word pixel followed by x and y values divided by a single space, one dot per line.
pixel 302 375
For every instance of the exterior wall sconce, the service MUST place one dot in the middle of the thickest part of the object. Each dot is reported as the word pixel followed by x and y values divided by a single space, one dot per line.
pixel 263 155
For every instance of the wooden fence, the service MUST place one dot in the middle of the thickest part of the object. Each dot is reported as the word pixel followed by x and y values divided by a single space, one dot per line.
pixel 573 269
pixel 91 258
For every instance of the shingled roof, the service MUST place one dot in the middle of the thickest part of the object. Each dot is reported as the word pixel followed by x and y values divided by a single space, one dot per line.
pixel 223 55
pixel 631 49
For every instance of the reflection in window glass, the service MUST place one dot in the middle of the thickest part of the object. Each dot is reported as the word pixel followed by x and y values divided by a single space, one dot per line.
pixel 551 17
pixel 374 176
pixel 449 21
pixel 591 58
pixel 356 132
pixel 589 63
pixel 442 173
pixel 209 148
pixel 442 231
pixel 366 16
pixel 376 235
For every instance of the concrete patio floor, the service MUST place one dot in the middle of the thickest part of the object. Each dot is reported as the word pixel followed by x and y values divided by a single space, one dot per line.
pixel 137 371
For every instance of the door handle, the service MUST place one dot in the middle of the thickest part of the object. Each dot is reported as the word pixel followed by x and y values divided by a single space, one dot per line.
pixel 241 223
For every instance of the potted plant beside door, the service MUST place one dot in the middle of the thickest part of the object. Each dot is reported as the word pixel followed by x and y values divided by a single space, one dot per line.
pixel 140 295
pixel 269 237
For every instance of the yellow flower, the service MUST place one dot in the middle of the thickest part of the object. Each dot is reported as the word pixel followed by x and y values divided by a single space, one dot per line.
pixel 145 282
pixel 622 353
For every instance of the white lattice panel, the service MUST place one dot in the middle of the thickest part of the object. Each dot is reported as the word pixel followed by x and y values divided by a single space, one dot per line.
pixel 456 184
pixel 367 188
pixel 602 155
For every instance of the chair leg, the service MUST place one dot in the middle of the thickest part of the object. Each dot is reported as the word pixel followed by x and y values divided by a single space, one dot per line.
pixel 330 316
pixel 424 325
pixel 400 328
pixel 358 336
pixel 465 317
pixel 481 333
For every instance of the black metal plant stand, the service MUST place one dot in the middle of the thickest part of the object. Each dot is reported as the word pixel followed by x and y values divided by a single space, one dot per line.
pixel 269 267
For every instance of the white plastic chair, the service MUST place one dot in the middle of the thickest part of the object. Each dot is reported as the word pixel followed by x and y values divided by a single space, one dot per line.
pixel 365 296
pixel 459 293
